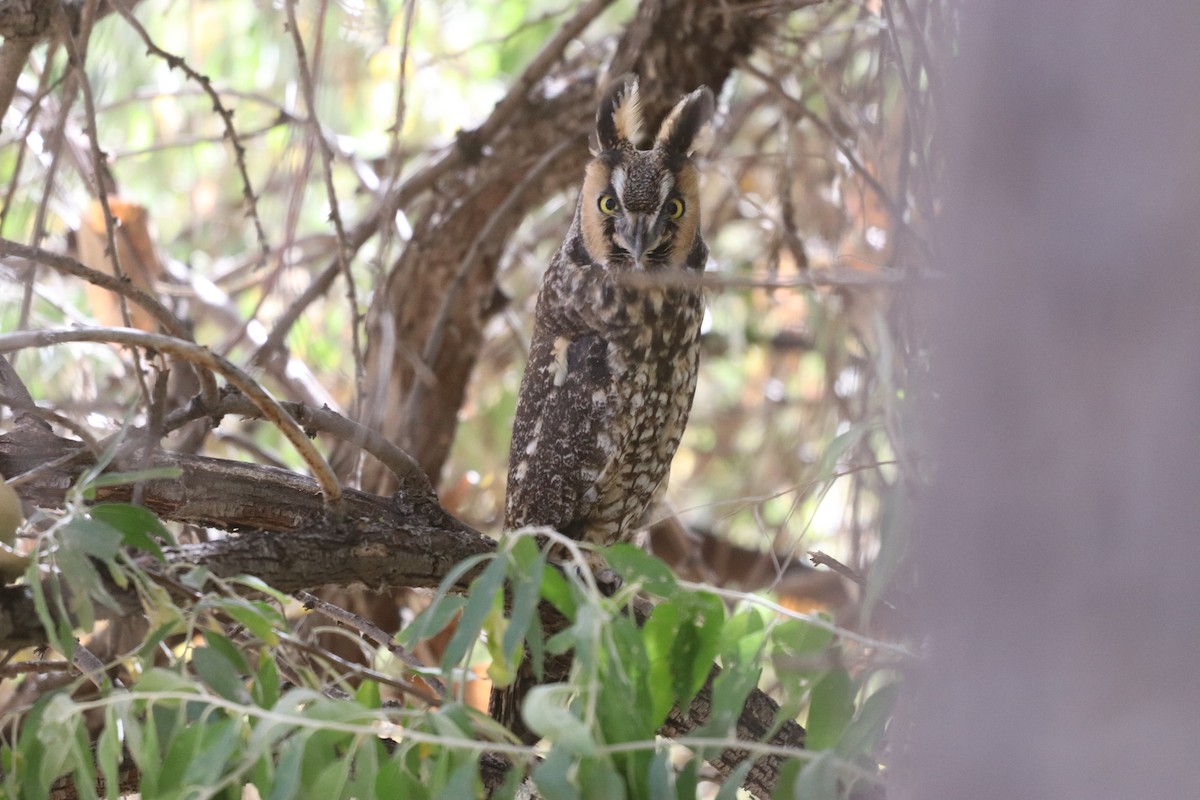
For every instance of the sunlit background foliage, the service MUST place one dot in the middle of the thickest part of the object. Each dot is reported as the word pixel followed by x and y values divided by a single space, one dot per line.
pixel 786 370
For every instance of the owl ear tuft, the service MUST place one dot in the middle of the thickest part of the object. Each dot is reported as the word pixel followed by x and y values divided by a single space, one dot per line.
pixel 681 129
pixel 620 116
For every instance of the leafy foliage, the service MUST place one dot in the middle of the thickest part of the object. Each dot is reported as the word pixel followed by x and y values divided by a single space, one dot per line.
pixel 208 705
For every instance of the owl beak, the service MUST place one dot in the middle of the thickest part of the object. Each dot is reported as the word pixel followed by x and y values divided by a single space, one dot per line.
pixel 637 236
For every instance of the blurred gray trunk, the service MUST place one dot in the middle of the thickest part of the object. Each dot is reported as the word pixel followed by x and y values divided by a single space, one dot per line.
pixel 1061 543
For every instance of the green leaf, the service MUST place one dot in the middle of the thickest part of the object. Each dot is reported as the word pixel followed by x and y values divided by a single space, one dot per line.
pixel 256 585
pixel 599 781
pixel 895 526
pixel 84 773
pixel 368 695
pixel 421 628
pixel 839 447
pixel 325 769
pixel 865 732
pixel 463 783
pixel 744 634
pixel 287 774
pixel 260 618
pixel 265 689
pixel 797 637
pixel 195 578
pixel 78 572
pixel 800 657
pixel 135 476
pixel 818 779
pixel 526 593
pixel 137 524
pixel 688 779
pixel 544 714
pixel 831 708
pixel 393 780
pixel 503 669
pixel 730 689
pixel 221 674
pixel 452 721
pixel 535 642
pixel 157 679
pixel 57 627
pixel 367 758
pixel 481 596
pixel 54 734
pixel 660 777
pixel 786 781
pixel 108 752
pixel 623 702
pixel 564 640
pixel 432 621
pixel 227 648
pixel 172 624
pixel 178 755
pixel 659 635
pixel 553 776
pixel 92 537
pixel 217 743
pixel 699 637
pixel 590 619
pixel 557 591
pixel 636 566
pixel 512 784
pixel 146 748
pixel 332 780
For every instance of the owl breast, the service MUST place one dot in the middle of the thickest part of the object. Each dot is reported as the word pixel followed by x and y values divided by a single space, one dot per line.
pixel 607 408
pixel 652 382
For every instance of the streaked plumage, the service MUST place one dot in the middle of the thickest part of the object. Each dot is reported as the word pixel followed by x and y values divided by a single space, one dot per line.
pixel 612 368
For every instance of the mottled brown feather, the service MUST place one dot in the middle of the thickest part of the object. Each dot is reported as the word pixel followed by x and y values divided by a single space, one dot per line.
pixel 612 368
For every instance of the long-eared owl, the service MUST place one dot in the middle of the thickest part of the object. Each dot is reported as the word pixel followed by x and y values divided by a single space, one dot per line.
pixel 612 365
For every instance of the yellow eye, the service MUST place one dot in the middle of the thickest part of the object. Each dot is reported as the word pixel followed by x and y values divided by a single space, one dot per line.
pixel 675 208
pixel 607 204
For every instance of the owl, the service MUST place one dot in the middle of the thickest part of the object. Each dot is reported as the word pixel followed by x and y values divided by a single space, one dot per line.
pixel 612 365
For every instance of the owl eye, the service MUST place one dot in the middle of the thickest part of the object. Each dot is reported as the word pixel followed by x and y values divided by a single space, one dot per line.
pixel 607 204
pixel 675 208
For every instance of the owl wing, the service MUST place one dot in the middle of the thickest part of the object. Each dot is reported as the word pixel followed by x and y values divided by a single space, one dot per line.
pixel 566 435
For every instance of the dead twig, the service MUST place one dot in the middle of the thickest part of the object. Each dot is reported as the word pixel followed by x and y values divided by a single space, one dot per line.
pixel 370 631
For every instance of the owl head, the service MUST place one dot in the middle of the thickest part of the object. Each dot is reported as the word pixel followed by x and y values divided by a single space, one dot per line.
pixel 640 209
